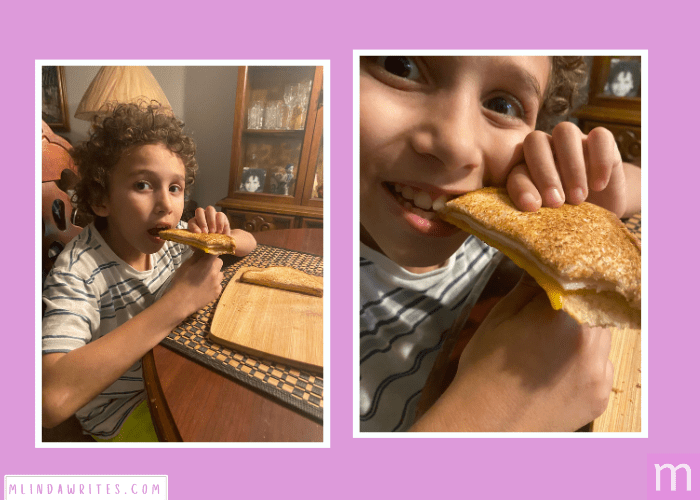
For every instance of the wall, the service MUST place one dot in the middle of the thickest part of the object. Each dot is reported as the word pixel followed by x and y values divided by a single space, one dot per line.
pixel 204 97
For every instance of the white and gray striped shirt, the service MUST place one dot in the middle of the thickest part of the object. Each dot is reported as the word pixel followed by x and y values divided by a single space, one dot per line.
pixel 90 292
pixel 402 323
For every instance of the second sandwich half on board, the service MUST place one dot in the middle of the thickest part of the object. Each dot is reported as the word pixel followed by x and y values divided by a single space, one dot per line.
pixel 585 259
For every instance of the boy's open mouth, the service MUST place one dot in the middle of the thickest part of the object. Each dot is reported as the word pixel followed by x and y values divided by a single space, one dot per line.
pixel 155 230
pixel 419 202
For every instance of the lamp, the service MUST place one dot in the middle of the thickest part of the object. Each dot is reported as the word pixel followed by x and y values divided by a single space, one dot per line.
pixel 123 84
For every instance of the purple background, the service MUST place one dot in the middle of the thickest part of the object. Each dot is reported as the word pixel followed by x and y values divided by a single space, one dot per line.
pixel 411 468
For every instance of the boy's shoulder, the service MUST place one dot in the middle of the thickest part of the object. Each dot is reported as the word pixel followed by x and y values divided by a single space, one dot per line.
pixel 84 256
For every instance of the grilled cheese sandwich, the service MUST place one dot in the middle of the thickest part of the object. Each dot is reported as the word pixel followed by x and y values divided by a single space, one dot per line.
pixel 584 258
pixel 213 243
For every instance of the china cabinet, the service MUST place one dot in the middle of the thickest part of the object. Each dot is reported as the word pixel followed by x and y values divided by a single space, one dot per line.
pixel 614 102
pixel 276 171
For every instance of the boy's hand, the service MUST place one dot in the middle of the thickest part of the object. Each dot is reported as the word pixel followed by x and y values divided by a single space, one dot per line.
pixel 196 283
pixel 209 221
pixel 527 368
pixel 569 166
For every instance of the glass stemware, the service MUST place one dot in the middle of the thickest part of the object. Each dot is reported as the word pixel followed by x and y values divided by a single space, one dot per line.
pixel 289 97
pixel 255 116
pixel 270 120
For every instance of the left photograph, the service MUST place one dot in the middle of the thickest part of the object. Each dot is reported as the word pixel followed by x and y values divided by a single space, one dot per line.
pixel 182 243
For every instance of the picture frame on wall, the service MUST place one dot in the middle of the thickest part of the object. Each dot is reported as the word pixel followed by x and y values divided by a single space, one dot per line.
pixel 54 105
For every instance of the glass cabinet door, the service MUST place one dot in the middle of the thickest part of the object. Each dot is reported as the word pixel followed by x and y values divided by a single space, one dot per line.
pixel 313 192
pixel 277 102
pixel 317 191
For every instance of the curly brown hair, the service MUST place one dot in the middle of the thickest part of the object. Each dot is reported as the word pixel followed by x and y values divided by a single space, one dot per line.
pixel 126 126
pixel 567 78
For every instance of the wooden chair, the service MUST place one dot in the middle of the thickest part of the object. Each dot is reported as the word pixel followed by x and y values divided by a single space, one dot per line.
pixel 60 223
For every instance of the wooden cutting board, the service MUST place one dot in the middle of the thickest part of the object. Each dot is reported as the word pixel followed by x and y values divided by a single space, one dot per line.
pixel 624 412
pixel 270 323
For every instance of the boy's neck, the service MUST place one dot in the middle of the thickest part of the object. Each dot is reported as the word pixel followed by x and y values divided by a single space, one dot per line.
pixel 139 261
pixel 423 270
pixel 369 241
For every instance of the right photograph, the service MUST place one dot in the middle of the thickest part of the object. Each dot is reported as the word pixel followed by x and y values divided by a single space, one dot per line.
pixel 500 271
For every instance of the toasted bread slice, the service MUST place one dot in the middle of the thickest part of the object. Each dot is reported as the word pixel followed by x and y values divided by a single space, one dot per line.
pixel 286 278
pixel 582 255
pixel 213 243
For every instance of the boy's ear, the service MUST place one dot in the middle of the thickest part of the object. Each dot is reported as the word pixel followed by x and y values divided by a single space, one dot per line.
pixel 100 208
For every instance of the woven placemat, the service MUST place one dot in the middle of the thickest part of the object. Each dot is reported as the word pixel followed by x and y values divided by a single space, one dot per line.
pixel 292 386
pixel 634 224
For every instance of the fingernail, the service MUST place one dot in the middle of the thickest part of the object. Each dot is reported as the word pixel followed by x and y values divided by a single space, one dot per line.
pixel 600 185
pixel 555 196
pixel 528 201
pixel 577 196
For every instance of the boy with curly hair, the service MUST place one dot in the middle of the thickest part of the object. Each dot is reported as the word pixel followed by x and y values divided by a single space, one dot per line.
pixel 117 289
pixel 432 128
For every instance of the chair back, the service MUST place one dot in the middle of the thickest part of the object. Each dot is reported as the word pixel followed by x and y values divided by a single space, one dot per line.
pixel 60 222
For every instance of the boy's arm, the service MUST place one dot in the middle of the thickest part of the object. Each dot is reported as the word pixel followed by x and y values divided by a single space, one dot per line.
pixel 528 368
pixel 71 380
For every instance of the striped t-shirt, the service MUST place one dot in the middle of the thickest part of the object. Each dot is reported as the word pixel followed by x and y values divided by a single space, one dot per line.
pixel 403 319
pixel 90 292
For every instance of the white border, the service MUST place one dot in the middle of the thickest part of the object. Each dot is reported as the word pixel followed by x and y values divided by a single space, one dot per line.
pixel 326 249
pixel 356 249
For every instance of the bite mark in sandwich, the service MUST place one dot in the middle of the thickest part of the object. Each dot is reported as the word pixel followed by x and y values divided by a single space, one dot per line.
pixel 213 243
pixel 584 258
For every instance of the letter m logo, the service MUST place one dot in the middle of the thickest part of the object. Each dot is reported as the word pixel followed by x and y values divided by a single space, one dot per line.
pixel 674 469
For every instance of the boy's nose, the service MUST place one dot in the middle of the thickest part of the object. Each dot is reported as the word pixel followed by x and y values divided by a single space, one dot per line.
pixel 163 202
pixel 449 132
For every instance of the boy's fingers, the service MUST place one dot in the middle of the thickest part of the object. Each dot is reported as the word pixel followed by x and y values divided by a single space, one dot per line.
pixel 539 158
pixel 221 221
pixel 603 157
pixel 522 190
pixel 609 373
pixel 568 146
pixel 211 219
pixel 524 292
pixel 200 221
pixel 197 254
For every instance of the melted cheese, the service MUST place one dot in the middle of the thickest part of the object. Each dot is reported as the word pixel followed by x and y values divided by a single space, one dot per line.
pixel 551 287
pixel 214 249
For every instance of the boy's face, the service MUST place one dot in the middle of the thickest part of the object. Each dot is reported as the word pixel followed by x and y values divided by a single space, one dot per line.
pixel 439 126
pixel 146 191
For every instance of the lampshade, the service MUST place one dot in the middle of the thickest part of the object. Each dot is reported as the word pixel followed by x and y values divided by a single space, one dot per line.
pixel 121 84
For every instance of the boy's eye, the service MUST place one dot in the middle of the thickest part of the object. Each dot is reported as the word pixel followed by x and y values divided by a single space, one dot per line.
pixel 142 185
pixel 505 106
pixel 175 188
pixel 401 66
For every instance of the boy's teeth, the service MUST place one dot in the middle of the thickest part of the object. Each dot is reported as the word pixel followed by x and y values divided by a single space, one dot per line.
pixel 420 201
pixel 439 203
pixel 423 200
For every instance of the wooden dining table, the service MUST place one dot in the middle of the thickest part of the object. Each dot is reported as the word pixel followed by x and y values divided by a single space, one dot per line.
pixel 191 402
